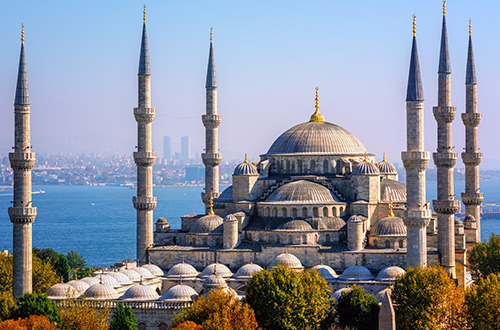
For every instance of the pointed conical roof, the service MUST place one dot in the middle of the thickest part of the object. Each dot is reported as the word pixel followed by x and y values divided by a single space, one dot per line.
pixel 470 76
pixel 211 78
pixel 444 56
pixel 22 92
pixel 414 91
pixel 144 60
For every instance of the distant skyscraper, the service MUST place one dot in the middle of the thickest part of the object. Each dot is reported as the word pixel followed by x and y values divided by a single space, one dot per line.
pixel 167 148
pixel 185 148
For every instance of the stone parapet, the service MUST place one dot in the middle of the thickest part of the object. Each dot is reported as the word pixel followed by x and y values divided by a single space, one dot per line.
pixel 144 203
pixel 472 158
pixel 22 214
pixel 144 115
pixel 211 159
pixel 211 121
pixel 445 159
pixel 415 159
pixel 444 114
pixel 471 119
pixel 22 160
pixel 446 207
pixel 472 198
pixel 144 158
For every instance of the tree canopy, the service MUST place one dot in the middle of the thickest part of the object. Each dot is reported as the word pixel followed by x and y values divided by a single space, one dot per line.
pixel 30 323
pixel 57 260
pixel 482 302
pixel 38 304
pixel 80 316
pixel 123 318
pixel 484 258
pixel 357 310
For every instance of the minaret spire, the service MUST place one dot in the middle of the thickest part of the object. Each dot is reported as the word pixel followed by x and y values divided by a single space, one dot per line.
pixel 22 214
pixel 211 120
pixel 444 57
pixel 144 157
pixel 415 160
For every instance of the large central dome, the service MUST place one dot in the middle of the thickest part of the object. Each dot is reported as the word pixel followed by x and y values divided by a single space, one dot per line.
pixel 317 137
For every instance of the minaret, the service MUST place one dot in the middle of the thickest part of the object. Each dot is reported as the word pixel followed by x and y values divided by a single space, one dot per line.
pixel 211 157
pixel 445 159
pixel 415 161
pixel 22 160
pixel 144 157
pixel 472 198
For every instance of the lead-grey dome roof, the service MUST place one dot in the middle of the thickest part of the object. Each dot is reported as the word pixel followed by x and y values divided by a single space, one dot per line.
pixel 326 272
pixel 155 270
pixel 62 291
pixel 295 225
pixel 144 273
pixel 182 270
pixel 365 168
pixel 326 223
pixel 216 268
pixel 247 271
pixel 101 292
pixel 79 285
pixel 301 192
pixel 389 226
pixel 317 138
pixel 140 292
pixel 178 293
pixel 245 168
pixel 121 278
pixel 356 272
pixel 208 224
pixel 386 168
pixel 390 273
pixel 286 259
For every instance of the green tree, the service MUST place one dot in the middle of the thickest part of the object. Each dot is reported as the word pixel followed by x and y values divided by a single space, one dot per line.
pixel 76 260
pixel 57 260
pixel 38 304
pixel 284 299
pixel 79 315
pixel 217 311
pixel 5 273
pixel 484 258
pixel 357 310
pixel 427 298
pixel 7 305
pixel 123 318
pixel 482 302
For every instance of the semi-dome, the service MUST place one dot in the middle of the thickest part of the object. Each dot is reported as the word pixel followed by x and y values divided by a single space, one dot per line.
pixel 389 226
pixel 287 259
pixel 155 270
pixel 356 272
pixel 62 291
pixel 131 274
pixel 216 268
pixel 317 138
pixel 295 225
pixel 326 223
pixel 121 278
pixel 386 168
pixel 226 195
pixel 181 271
pixel 140 292
pixel 101 292
pixel 365 168
pixel 247 271
pixel 79 285
pixel 143 273
pixel 301 192
pixel 245 168
pixel 390 273
pixel 91 280
pixel 179 293
pixel 326 272
pixel 208 224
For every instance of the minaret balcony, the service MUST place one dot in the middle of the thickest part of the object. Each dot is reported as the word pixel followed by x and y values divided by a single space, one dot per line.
pixel 22 160
pixel 144 115
pixel 446 207
pixel 211 121
pixel 471 119
pixel 445 159
pixel 144 158
pixel 210 159
pixel 205 196
pixel 417 218
pixel 22 214
pixel 22 108
pixel 472 158
pixel 415 159
pixel 472 198
pixel 444 114
pixel 144 203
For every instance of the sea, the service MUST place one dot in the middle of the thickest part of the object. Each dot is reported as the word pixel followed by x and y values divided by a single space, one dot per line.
pixel 100 221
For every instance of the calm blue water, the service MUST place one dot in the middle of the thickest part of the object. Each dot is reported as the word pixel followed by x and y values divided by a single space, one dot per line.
pixel 99 222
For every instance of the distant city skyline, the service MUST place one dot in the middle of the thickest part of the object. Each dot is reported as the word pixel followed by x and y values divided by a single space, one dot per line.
pixel 82 64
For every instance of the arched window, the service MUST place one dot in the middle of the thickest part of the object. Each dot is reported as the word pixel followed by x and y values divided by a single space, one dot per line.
pixel 312 166
pixel 290 239
pixel 278 239
pixel 341 211
pixel 271 239
pixel 325 211
pixel 387 244
pixel 288 166
pixel 294 212
pixel 315 212
pixel 300 167
pixel 334 209
pixel 268 212
pixel 205 242
pixel 316 238
pixel 217 242
pixel 293 167
pixel 326 168
pixel 174 240
pixel 304 212
pixel 275 212
pixel 401 243
pixel 283 211
pixel 194 241
pixel 261 239
pixel 304 239
pixel 249 236
pixel 327 238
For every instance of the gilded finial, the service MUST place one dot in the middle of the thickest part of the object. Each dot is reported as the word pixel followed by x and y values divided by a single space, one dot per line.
pixel 366 157
pixel 211 204
pixel 384 160
pixel 211 33
pixel 317 116
pixel 444 7
pixel 391 206
pixel 246 159
pixel 470 27
pixel 414 25
pixel 144 14
pixel 22 33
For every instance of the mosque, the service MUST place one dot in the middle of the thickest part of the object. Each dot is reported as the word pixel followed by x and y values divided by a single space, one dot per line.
pixel 317 198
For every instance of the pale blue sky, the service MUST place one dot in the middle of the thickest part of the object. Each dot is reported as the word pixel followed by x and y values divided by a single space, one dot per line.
pixel 83 57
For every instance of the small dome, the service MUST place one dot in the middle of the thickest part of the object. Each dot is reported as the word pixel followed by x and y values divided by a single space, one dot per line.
pixel 109 280
pixel 144 273
pixel 386 168
pixel 62 291
pixel 245 168
pixel 326 223
pixel 356 218
pixel 120 277
pixel 458 223
pixel 162 221
pixel 179 293
pixel 182 270
pixel 247 271
pixel 286 259
pixel 326 272
pixel 295 225
pixel 338 293
pixel 215 281
pixel 79 285
pixel 389 226
pixel 365 168
pixel 155 270
pixel 208 224
pixel 356 272
pixel 101 292
pixel 380 295
pixel 390 273
pixel 140 292
pixel 216 268
pixel 131 274
pixel 230 217
pixel 90 280
pixel 469 218
pixel 301 192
